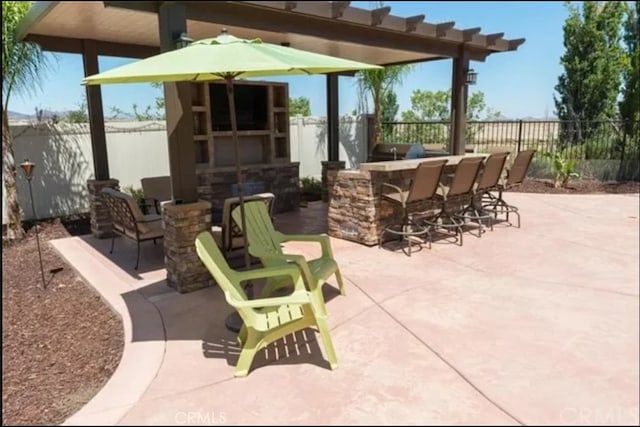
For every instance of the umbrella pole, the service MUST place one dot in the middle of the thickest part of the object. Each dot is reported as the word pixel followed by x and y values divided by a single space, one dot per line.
pixel 233 321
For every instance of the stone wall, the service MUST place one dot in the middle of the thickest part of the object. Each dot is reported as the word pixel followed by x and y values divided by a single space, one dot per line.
pixel 99 213
pixel 182 224
pixel 357 211
pixel 281 180
pixel 329 172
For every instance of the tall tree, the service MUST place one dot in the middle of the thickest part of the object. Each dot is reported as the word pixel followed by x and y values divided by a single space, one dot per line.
pixel 429 105
pixel 374 85
pixel 588 88
pixel 22 66
pixel 390 109
pixel 299 106
pixel 435 106
pixel 630 102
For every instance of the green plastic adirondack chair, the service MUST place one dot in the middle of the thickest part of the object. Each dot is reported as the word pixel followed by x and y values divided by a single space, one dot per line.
pixel 265 243
pixel 266 319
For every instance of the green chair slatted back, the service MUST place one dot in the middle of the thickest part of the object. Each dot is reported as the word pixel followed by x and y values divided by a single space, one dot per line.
pixel 265 243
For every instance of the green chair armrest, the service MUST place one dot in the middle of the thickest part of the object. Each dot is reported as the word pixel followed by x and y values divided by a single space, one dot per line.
pixel 299 260
pixel 322 239
pixel 267 272
pixel 298 297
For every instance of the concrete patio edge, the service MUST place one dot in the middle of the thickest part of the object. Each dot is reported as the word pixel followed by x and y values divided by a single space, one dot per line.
pixel 130 379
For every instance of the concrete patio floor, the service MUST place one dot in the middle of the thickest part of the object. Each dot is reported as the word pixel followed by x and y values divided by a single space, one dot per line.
pixel 537 325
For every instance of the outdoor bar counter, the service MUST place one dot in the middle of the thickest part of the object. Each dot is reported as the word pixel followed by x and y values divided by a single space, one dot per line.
pixel 356 209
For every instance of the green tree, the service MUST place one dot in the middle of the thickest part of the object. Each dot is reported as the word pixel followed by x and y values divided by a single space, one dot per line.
pixel 630 102
pixel 390 109
pixel 299 106
pixel 428 105
pixel 80 114
pixel 588 88
pixel 155 112
pixel 22 66
pixel 435 106
pixel 375 85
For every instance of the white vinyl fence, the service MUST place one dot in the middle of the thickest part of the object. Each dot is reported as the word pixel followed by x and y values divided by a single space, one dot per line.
pixel 63 157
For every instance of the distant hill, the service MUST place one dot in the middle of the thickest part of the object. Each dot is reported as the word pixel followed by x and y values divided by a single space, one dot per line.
pixel 13 115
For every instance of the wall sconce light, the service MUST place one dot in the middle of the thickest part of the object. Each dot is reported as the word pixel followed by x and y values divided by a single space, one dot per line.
pixel 471 77
pixel 183 41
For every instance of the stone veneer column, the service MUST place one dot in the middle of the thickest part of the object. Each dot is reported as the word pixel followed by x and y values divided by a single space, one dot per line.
pixel 100 218
pixel 326 178
pixel 182 223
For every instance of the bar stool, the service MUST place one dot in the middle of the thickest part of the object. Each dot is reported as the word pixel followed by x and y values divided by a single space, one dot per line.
pixel 423 187
pixel 461 185
pixel 487 181
pixel 515 176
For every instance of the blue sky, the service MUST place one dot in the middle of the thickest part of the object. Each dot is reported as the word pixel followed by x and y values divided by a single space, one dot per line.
pixel 518 84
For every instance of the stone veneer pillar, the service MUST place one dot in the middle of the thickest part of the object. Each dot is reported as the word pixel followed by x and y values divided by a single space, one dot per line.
pixel 100 218
pixel 182 223
pixel 327 177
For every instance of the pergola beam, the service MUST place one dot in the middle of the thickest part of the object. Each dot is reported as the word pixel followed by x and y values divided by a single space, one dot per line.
pixel 514 44
pixel 337 8
pixel 411 23
pixel 274 20
pixel 102 48
pixel 378 15
pixel 492 39
pixel 467 35
pixel 443 28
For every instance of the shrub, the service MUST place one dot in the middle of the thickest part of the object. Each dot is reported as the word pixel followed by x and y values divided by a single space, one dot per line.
pixel 311 188
pixel 564 168
pixel 138 196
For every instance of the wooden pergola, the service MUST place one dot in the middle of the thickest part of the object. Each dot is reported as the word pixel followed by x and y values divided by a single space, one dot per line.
pixel 138 29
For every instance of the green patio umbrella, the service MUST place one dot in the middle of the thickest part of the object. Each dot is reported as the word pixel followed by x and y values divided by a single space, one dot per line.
pixel 226 57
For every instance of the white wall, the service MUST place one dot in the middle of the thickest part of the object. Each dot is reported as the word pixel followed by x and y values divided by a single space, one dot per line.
pixel 309 143
pixel 64 162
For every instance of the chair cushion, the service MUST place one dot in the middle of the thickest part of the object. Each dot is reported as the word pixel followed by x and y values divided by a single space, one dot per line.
pixel 236 243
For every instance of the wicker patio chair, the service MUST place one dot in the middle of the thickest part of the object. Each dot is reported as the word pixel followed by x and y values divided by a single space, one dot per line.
pixel 128 221
pixel 156 190
pixel 228 235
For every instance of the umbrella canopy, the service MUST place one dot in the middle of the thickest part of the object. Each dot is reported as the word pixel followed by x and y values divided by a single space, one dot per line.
pixel 223 57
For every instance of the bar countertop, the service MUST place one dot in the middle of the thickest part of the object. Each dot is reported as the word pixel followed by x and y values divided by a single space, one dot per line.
pixel 395 165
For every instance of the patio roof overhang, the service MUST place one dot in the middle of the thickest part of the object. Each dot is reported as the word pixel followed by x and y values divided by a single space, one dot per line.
pixel 130 29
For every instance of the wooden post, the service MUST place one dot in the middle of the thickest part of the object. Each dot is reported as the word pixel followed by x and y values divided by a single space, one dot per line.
pixel 458 103
pixel 182 155
pixel 333 119
pixel 96 114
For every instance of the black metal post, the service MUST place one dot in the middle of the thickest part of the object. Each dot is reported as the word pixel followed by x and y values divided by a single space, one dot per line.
pixel 519 136
pixel 35 221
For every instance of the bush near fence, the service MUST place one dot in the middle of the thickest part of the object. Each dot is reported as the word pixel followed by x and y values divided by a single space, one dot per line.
pixel 602 149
